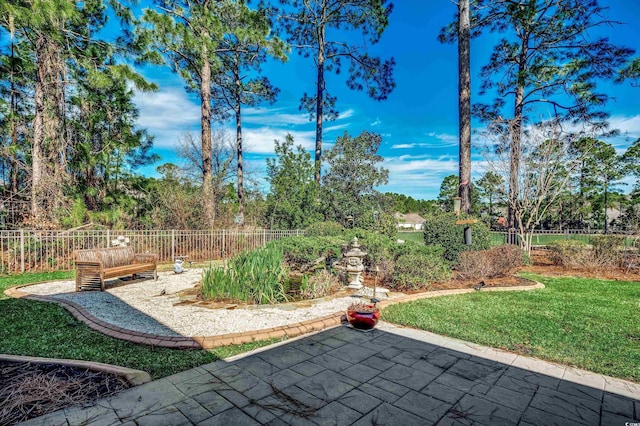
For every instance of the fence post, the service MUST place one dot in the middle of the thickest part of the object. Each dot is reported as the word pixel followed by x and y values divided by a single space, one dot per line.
pixel 222 249
pixel 264 237
pixel 173 245
pixel 108 238
pixel 22 250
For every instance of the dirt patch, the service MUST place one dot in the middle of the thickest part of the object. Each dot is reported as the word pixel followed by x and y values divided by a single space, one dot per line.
pixel 31 390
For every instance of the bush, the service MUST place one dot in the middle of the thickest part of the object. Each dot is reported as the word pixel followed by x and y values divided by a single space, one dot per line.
pixel 442 229
pixel 604 253
pixel 319 284
pixel 568 253
pixel 414 247
pixel 377 246
pixel 607 249
pixel 384 223
pixel 417 271
pixel 572 254
pixel 325 229
pixel 257 276
pixel 495 262
pixel 301 251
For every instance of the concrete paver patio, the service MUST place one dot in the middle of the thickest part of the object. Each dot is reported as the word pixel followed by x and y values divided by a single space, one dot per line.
pixel 389 376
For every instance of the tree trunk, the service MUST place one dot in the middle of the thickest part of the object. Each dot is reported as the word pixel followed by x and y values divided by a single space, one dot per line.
pixel 13 164
pixel 464 106
pixel 36 149
pixel 239 153
pixel 516 137
pixel 48 148
pixel 319 105
pixel 514 160
pixel 207 165
pixel 606 222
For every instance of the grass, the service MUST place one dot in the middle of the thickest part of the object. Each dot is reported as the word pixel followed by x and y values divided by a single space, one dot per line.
pixel 588 323
pixel 43 329
pixel 8 281
pixel 411 236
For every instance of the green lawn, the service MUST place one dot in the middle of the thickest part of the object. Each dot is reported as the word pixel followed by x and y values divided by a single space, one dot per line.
pixel 591 324
pixel 44 329
pixel 8 281
pixel 411 236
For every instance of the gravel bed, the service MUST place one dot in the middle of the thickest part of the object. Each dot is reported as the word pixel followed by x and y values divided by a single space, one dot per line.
pixel 149 307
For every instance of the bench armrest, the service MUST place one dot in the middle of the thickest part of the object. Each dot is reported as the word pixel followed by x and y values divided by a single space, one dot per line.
pixel 145 258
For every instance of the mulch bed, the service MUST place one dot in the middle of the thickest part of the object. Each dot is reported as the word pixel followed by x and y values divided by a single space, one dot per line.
pixel 30 390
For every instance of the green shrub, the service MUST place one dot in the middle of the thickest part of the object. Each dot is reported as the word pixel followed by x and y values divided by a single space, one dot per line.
pixel 301 251
pixel 417 271
pixel 257 276
pixel 442 229
pixel 376 245
pixel 414 247
pixel 495 262
pixel 383 223
pixel 325 229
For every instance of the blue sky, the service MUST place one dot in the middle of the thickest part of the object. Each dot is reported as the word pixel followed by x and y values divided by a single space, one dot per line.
pixel 418 121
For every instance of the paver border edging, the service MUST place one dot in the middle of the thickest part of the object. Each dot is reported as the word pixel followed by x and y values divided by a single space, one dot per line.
pixel 438 293
pixel 212 342
pixel 134 377
pixel 196 342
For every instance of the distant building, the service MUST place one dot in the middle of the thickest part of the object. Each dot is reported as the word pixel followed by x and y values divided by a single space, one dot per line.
pixel 409 221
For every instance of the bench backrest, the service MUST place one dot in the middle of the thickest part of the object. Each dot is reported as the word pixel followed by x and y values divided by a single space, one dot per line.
pixel 110 257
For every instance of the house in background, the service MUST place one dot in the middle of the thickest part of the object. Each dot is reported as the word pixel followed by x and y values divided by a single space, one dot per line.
pixel 409 221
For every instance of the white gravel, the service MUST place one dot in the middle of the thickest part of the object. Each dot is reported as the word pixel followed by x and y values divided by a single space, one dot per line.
pixel 142 307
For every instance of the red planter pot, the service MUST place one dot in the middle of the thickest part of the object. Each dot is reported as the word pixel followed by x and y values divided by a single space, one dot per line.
pixel 364 319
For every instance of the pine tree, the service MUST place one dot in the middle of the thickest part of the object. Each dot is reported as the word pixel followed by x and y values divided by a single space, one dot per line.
pixel 310 25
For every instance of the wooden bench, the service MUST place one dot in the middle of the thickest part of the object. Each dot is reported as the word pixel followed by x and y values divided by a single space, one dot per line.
pixel 93 266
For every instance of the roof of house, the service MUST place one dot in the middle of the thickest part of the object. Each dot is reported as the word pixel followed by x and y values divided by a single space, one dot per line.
pixel 409 218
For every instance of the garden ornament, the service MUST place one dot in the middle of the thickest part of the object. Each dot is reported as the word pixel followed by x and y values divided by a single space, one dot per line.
pixel 177 267
pixel 355 266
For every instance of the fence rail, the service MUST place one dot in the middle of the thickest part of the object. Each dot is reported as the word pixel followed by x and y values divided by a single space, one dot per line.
pixel 47 251
pixel 542 237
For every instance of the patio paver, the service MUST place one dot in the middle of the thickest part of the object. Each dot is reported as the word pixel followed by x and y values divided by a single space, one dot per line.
pixel 389 376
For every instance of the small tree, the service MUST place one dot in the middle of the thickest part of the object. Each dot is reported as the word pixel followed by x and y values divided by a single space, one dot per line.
pixel 222 166
pixel 291 202
pixel 545 167
pixel 490 186
pixel 448 191
pixel 349 186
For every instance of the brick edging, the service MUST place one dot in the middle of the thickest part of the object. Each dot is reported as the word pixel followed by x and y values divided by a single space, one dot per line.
pixel 438 293
pixel 211 342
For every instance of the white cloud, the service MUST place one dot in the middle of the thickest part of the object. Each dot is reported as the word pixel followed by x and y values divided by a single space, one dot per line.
pixel 273 117
pixel 346 114
pixel 336 127
pixel 403 146
pixel 445 138
pixel 429 166
pixel 376 122
pixel 167 114
pixel 261 140
pixel 628 126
